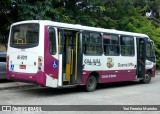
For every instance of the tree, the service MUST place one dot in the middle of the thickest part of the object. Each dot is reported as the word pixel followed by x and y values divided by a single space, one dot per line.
pixel 7 16
pixel 128 15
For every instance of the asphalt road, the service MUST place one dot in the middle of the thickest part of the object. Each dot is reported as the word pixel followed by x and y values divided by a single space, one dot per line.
pixel 122 93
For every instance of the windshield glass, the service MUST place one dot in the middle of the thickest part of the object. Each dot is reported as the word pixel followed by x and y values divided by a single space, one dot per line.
pixel 25 35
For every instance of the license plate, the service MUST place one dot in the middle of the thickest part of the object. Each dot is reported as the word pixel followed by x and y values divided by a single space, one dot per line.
pixel 22 66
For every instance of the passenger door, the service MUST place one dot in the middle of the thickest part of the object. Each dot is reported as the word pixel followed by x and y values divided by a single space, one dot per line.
pixel 70 49
pixel 141 57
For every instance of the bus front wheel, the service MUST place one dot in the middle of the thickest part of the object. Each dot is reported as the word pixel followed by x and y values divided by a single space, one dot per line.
pixel 147 78
pixel 91 83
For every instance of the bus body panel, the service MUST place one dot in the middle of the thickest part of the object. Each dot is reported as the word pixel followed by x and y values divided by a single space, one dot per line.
pixel 38 78
pixel 151 66
pixel 20 58
pixel 28 59
pixel 117 74
pixel 108 68
pixel 23 62
pixel 51 64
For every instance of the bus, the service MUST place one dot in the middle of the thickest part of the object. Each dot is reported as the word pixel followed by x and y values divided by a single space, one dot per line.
pixel 55 54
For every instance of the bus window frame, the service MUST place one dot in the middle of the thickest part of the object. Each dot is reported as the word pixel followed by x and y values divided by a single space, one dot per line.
pixel 55 40
pixel 117 44
pixel 88 31
pixel 152 56
pixel 23 46
pixel 150 48
pixel 133 45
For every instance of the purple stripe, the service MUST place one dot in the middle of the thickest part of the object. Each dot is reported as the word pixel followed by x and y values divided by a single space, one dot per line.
pixel 112 75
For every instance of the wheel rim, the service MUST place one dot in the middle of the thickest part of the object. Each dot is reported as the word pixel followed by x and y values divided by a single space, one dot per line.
pixel 90 83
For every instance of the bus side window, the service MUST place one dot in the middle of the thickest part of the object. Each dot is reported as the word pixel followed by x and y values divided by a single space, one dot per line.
pixel 148 49
pixel 127 46
pixel 111 45
pixel 52 41
pixel 86 39
pixel 92 43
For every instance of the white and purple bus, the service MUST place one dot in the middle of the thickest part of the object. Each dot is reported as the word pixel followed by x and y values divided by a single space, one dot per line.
pixel 57 54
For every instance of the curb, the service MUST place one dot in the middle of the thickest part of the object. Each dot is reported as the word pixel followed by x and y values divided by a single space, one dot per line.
pixel 15 85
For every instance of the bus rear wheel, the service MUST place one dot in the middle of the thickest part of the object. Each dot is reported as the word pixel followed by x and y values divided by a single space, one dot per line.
pixel 147 78
pixel 91 83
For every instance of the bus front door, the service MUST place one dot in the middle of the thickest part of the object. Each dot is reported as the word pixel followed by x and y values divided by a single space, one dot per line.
pixel 141 57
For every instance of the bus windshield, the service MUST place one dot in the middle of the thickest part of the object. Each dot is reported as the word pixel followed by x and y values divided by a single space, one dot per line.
pixel 25 35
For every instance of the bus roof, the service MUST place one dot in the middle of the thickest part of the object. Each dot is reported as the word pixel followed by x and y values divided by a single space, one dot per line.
pixel 81 27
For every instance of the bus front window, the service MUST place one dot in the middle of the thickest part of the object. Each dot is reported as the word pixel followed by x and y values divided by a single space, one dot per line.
pixel 150 51
pixel 25 35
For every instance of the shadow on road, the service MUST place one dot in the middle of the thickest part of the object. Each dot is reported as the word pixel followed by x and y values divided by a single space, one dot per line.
pixel 117 84
pixel 46 91
pixel 5 81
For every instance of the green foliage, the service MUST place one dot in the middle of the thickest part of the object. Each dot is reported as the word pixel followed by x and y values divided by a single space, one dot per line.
pixel 128 15
pixel 7 16
pixel 35 10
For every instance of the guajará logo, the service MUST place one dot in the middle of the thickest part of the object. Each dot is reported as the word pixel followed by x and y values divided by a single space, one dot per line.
pixel 110 63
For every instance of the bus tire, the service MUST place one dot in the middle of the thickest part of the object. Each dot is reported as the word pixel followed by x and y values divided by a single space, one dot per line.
pixel 91 83
pixel 147 78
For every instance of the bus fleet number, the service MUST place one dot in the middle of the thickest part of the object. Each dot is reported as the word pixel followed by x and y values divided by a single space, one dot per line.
pixel 22 57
